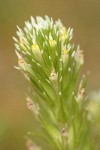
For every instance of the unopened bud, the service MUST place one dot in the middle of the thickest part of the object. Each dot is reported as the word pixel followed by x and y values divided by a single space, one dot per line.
pixel 79 57
pixel 32 106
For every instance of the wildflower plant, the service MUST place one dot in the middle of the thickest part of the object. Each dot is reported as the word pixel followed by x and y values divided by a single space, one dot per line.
pixel 51 64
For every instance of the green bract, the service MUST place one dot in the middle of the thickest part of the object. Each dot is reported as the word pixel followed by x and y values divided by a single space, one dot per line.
pixel 51 64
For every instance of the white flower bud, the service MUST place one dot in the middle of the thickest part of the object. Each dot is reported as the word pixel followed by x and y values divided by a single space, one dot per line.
pixel 32 106
pixel 53 75
pixel 79 57
pixel 21 61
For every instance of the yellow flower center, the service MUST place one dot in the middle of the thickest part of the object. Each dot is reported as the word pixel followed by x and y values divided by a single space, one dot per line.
pixel 52 43
pixel 65 51
pixel 35 47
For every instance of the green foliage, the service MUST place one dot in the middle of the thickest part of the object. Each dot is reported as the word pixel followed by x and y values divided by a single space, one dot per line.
pixel 51 64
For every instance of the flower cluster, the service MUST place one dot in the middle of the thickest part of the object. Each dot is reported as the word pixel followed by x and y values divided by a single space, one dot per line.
pixel 51 64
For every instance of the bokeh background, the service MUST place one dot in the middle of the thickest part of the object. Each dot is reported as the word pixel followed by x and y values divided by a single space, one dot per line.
pixel 82 15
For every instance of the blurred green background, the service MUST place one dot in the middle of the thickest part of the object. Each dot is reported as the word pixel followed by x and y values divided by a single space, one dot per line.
pixel 82 15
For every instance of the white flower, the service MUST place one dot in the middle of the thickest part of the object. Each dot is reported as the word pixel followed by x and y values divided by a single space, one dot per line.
pixel 52 42
pixel 79 57
pixel 53 75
